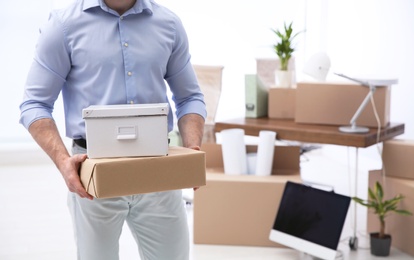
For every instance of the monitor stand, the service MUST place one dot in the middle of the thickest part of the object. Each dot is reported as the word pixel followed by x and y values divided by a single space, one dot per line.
pixel 306 256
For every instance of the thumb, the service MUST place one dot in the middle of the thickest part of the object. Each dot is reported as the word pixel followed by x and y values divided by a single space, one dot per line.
pixel 80 157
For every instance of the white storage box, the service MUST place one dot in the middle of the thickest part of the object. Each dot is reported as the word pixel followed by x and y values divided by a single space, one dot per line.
pixel 126 130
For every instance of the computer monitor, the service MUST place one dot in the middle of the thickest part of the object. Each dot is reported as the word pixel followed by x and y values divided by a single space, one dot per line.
pixel 310 220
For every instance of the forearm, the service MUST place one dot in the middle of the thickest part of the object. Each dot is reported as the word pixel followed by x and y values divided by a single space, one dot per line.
pixel 46 134
pixel 191 127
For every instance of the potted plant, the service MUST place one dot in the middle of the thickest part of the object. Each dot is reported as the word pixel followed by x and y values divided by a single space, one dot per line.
pixel 380 241
pixel 284 50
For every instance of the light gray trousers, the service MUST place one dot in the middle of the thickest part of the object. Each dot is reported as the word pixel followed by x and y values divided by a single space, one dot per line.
pixel 158 222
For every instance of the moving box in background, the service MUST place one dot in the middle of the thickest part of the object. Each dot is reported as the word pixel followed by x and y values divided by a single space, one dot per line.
pixel 238 210
pixel 336 103
pixel 282 103
pixel 241 209
pixel 114 177
pixel 398 157
pixel 286 159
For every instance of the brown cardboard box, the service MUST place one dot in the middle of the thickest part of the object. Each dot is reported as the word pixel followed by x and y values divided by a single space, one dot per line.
pixel 282 103
pixel 286 159
pixel 398 158
pixel 238 210
pixel 336 103
pixel 241 209
pixel 181 168
pixel 400 227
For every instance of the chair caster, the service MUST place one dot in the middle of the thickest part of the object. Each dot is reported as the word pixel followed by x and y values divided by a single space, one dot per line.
pixel 353 243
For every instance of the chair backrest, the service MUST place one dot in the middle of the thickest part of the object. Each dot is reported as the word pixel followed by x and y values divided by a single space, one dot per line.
pixel 210 81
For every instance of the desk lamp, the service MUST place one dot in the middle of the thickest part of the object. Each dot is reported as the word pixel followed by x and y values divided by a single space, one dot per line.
pixel 318 67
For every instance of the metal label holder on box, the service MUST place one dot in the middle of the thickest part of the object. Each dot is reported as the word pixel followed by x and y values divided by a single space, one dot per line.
pixel 126 130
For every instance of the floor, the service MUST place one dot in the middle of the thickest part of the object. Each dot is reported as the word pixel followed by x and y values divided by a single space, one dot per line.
pixel 35 223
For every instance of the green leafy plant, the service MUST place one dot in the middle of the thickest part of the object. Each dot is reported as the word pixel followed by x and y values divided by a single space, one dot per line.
pixel 382 208
pixel 284 48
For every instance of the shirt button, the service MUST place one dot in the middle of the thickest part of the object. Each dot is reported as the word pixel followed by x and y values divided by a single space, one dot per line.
pixel 126 44
pixel 131 102
pixel 129 73
pixel 122 18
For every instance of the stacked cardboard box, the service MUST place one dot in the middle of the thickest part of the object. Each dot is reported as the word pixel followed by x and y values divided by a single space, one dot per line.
pixel 282 103
pixel 336 103
pixel 114 177
pixel 398 179
pixel 241 209
pixel 329 104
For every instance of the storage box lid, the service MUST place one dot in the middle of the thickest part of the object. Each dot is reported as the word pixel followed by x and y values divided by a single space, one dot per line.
pixel 125 110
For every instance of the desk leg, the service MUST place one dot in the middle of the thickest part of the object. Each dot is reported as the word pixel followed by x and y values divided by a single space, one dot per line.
pixel 353 241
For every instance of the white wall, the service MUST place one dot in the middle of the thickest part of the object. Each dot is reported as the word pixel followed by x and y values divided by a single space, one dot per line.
pixel 372 37
pixel 19 28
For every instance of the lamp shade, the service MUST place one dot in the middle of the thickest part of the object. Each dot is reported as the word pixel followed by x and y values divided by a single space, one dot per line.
pixel 318 66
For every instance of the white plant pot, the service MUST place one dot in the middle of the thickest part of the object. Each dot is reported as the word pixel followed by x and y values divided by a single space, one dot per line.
pixel 284 78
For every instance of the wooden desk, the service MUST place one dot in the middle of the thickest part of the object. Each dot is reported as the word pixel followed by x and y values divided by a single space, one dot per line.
pixel 310 133
pixel 323 134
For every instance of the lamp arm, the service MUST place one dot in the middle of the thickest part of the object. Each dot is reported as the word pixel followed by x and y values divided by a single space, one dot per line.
pixel 362 106
pixel 364 83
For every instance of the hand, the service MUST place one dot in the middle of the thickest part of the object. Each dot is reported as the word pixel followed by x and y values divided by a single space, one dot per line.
pixel 69 171
pixel 195 147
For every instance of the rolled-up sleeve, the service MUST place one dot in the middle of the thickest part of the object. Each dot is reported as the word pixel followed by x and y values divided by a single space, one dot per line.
pixel 47 73
pixel 182 79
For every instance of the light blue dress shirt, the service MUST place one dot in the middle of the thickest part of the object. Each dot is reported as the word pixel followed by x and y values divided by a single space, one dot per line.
pixel 94 56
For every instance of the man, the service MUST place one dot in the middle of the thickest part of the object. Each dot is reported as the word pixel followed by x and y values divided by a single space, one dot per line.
pixel 101 52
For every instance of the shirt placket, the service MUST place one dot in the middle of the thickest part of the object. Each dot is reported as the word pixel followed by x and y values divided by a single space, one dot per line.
pixel 130 74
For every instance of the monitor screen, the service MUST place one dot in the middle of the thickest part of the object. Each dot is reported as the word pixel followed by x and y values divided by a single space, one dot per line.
pixel 310 220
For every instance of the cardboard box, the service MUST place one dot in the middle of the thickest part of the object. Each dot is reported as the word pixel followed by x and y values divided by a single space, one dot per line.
pixel 238 210
pixel 114 177
pixel 398 158
pixel 256 96
pixel 282 103
pixel 400 227
pixel 126 130
pixel 286 159
pixel 241 209
pixel 336 103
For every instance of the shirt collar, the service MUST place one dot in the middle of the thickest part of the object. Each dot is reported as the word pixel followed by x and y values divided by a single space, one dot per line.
pixel 87 4
pixel 139 7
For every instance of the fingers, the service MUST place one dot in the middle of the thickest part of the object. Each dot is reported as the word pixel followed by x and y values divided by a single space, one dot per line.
pixel 83 194
pixel 194 147
pixel 75 186
pixel 71 176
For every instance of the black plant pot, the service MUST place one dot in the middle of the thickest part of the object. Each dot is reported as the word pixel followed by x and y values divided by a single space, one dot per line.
pixel 380 246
